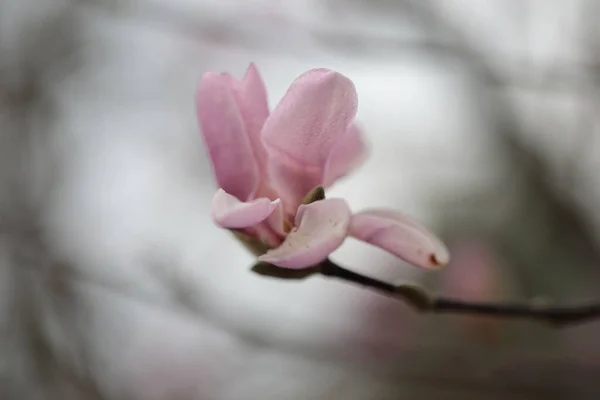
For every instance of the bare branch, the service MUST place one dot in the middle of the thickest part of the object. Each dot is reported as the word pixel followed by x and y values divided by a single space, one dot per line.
pixel 424 302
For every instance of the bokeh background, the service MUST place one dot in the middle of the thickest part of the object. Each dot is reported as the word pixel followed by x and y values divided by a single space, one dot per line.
pixel 482 119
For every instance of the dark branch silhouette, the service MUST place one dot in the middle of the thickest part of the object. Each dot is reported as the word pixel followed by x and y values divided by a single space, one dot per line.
pixel 424 302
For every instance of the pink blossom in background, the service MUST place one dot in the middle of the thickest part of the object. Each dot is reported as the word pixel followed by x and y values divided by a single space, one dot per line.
pixel 472 276
pixel 266 163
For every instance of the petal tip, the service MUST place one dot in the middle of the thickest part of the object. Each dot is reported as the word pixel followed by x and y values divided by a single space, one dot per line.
pixel 439 261
pixel 231 213
pixel 284 262
pixel 209 77
pixel 402 236
pixel 324 76
pixel 266 258
pixel 252 69
pixel 252 75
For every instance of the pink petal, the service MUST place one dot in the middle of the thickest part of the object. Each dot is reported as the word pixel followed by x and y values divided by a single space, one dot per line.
pixel 229 212
pixel 272 231
pixel 401 236
pixel 300 133
pixel 322 227
pixel 276 221
pixel 349 152
pixel 225 136
pixel 251 96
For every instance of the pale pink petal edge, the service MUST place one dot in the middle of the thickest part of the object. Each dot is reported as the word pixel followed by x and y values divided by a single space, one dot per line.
pixel 348 154
pixel 400 235
pixel 224 132
pixel 231 213
pixel 322 227
pixel 299 134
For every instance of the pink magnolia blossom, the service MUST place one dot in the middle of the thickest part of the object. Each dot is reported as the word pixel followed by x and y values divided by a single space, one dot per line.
pixel 266 164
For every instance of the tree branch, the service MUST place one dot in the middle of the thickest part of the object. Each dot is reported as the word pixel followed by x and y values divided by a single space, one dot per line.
pixel 424 302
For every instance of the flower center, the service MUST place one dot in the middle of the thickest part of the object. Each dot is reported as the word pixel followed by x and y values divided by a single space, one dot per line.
pixel 287 224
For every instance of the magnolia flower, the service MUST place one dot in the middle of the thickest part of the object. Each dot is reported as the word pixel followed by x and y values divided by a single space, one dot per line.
pixel 271 170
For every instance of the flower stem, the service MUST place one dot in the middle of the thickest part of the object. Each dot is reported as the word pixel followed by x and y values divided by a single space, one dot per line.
pixel 425 302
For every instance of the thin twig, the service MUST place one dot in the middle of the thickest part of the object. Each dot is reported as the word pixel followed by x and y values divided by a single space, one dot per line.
pixel 424 302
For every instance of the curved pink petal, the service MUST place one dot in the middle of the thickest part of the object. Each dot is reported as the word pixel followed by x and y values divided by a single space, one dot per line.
pixel 225 135
pixel 321 228
pixel 277 221
pixel 401 236
pixel 228 212
pixel 251 96
pixel 349 152
pixel 301 131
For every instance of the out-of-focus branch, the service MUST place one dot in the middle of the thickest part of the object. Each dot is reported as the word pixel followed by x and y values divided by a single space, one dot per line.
pixel 414 296
pixel 196 26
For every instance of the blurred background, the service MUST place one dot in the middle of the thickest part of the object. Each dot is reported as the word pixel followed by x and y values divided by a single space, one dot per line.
pixel 483 121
